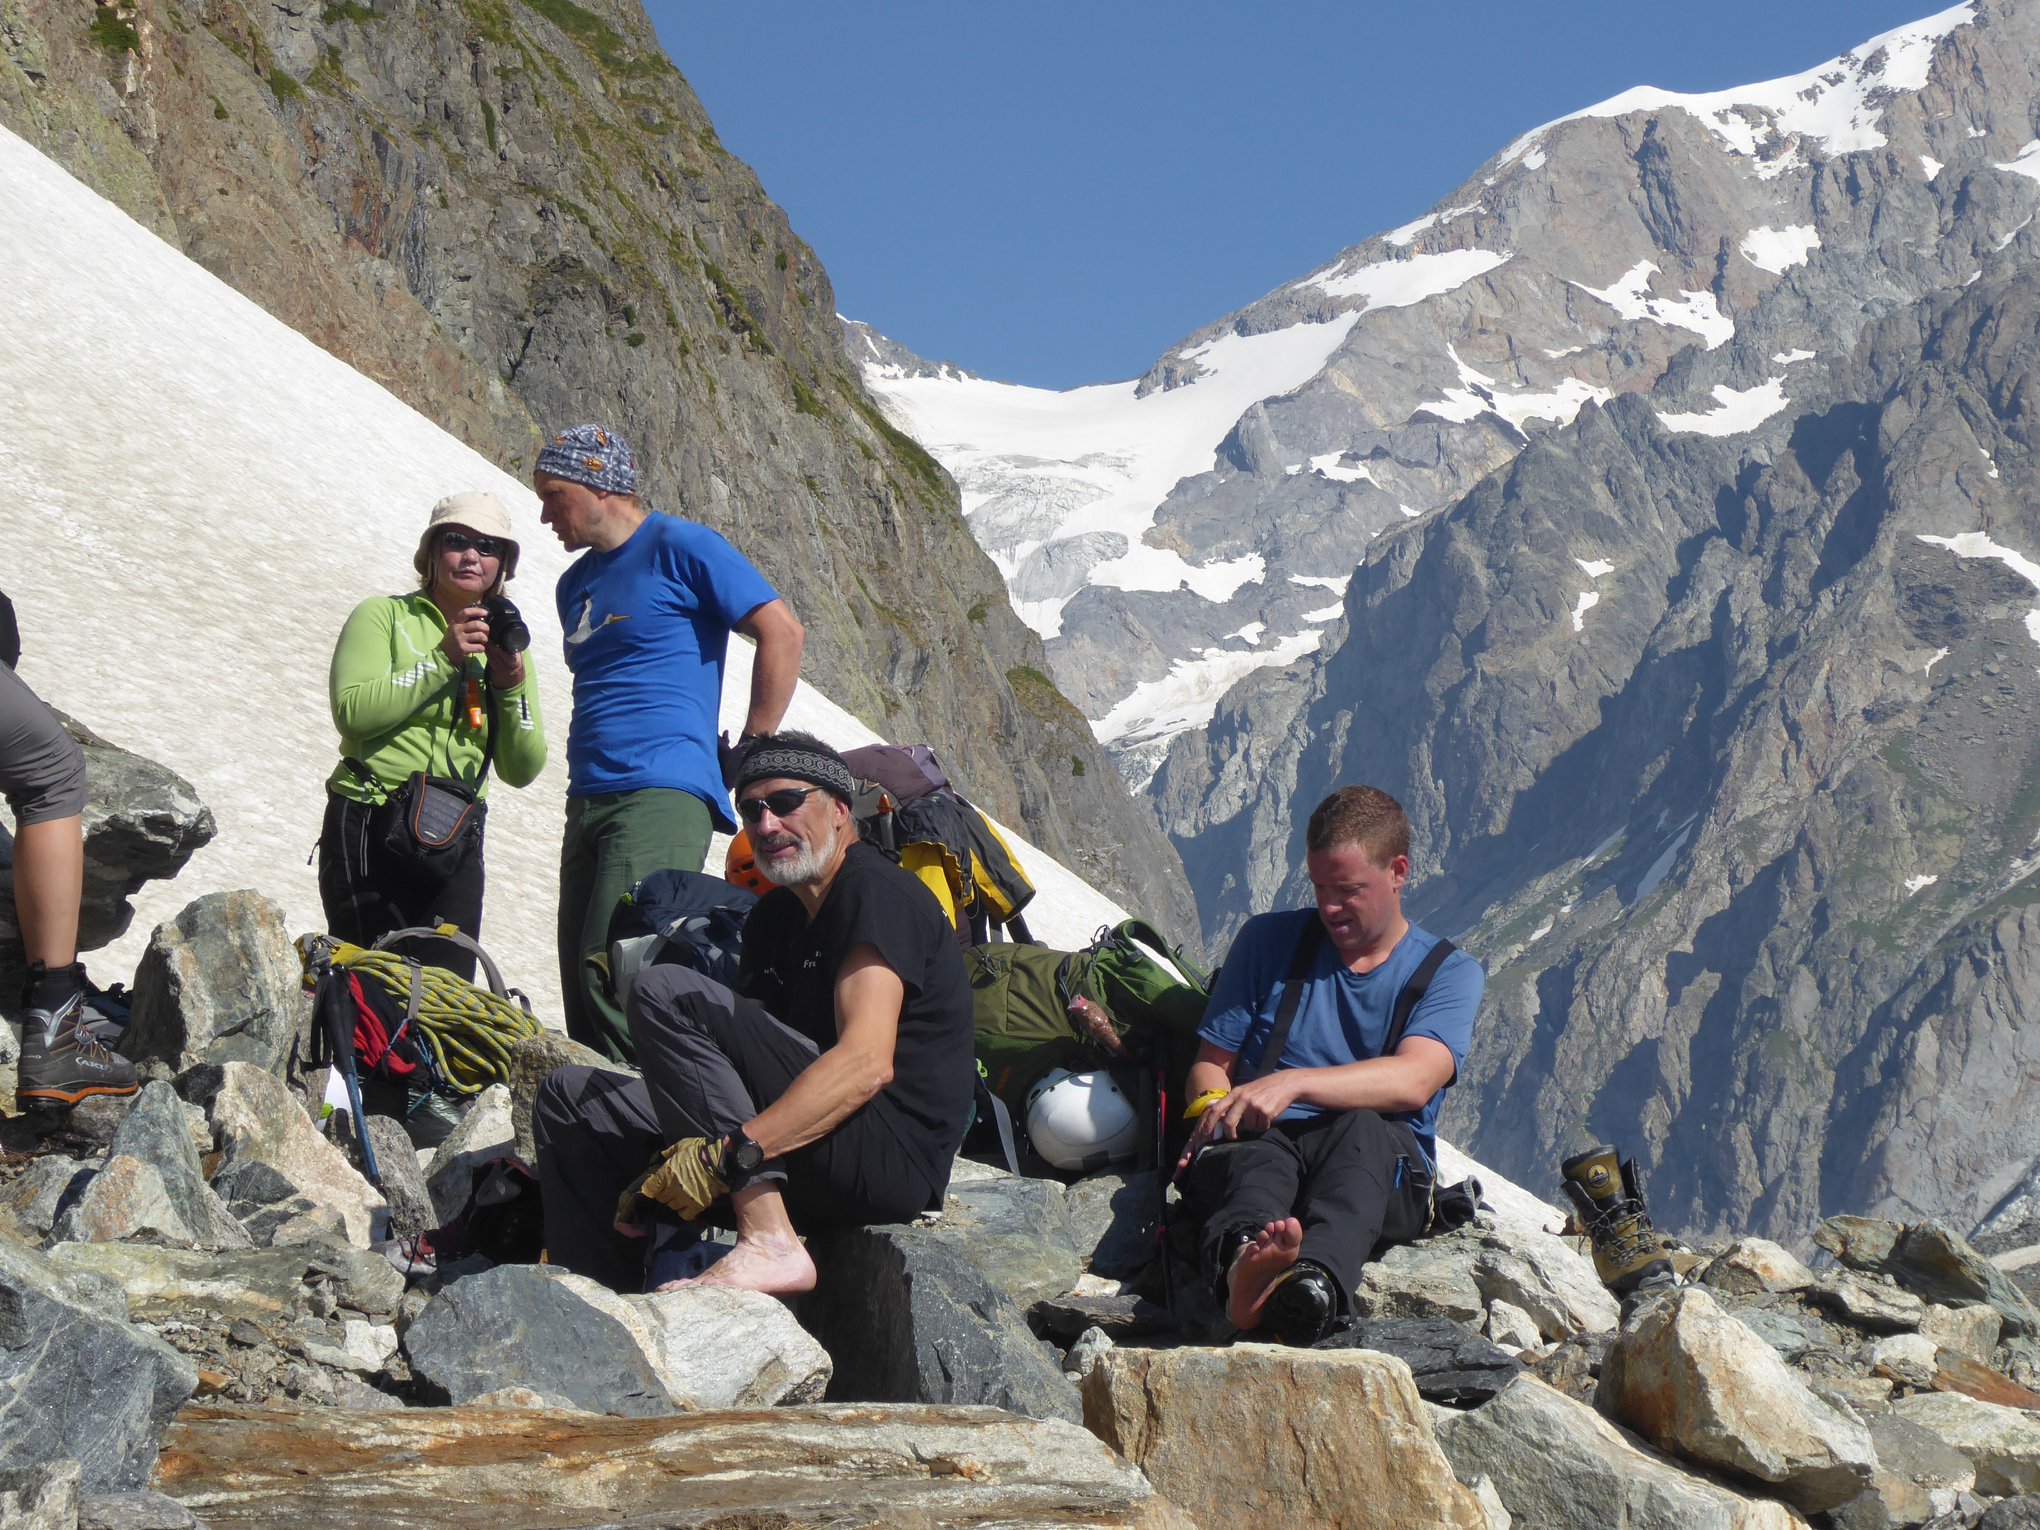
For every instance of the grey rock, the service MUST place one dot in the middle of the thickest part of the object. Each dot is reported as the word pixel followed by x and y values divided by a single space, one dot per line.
pixel 1861 1243
pixel 35 1196
pixel 1938 1263
pixel 907 1317
pixel 43 1497
pixel 485 1131
pixel 1429 1279
pixel 219 983
pixel 540 1327
pixel 533 1060
pixel 168 1283
pixel 1555 1461
pixel 1112 1222
pixel 358 1279
pixel 1971 1328
pixel 2003 1444
pixel 143 821
pixel 1017 1231
pixel 151 1186
pixel 568 1338
pixel 1788 1335
pixel 1539 1275
pixel 1121 1317
pixel 1876 1306
pixel 135 1511
pixel 270 1208
pixel 1450 1365
pixel 79 1385
pixel 2022 1513
pixel 403 1186
pixel 1906 1450
pixel 1752 1266
pixel 255 1119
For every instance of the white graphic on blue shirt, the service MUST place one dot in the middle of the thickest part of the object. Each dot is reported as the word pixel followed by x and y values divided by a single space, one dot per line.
pixel 587 628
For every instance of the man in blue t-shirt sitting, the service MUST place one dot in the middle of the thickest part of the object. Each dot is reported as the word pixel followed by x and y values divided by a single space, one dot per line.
pixel 647 610
pixel 1315 1139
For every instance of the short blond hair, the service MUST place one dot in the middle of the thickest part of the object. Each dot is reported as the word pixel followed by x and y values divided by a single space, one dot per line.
pixel 1360 815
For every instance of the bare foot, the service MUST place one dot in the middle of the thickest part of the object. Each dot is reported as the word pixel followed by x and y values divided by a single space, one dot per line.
pixel 1256 1268
pixel 778 1267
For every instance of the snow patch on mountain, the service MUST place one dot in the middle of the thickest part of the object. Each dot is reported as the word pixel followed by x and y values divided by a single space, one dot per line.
pixel 1155 711
pixel 1838 105
pixel 2026 162
pixel 1978 544
pixel 1736 410
pixel 1402 283
pixel 1777 250
pixel 1479 394
pixel 199 496
pixel 1113 453
pixel 1630 296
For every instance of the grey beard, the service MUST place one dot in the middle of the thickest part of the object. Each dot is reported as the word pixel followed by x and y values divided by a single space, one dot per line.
pixel 810 863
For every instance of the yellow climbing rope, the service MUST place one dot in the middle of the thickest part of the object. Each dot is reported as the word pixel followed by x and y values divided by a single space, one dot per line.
pixel 468 1029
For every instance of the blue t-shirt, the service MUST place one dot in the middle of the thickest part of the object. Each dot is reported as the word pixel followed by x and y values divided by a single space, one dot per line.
pixel 1344 1016
pixel 647 627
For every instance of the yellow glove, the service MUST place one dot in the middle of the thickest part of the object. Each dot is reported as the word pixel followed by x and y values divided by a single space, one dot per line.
pixel 687 1179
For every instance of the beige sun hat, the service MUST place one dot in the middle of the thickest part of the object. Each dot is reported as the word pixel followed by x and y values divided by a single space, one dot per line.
pixel 480 513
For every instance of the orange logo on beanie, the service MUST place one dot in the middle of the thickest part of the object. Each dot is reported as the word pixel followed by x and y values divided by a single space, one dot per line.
pixel 592 464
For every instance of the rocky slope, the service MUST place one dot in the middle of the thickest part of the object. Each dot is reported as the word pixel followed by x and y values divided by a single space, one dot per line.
pixel 518 214
pixel 1719 755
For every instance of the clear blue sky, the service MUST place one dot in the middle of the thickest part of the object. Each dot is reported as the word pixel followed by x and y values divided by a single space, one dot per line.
pixel 1055 193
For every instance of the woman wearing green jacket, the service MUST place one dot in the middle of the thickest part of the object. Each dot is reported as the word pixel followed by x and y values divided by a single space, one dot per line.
pixel 405 673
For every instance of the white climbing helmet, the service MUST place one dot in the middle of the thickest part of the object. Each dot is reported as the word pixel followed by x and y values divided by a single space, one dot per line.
pixel 1081 1121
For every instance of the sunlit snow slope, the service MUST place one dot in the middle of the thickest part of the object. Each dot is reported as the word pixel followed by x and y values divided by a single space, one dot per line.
pixel 196 497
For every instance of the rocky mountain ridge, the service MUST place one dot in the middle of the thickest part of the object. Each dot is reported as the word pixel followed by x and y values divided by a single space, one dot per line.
pixel 515 215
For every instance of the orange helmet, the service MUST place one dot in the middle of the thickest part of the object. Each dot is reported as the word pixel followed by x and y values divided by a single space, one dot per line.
pixel 741 866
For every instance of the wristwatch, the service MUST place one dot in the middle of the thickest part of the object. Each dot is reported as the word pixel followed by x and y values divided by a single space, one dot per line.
pixel 741 1159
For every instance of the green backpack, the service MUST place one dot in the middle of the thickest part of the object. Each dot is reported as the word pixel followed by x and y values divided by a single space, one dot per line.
pixel 1145 982
pixel 1020 1011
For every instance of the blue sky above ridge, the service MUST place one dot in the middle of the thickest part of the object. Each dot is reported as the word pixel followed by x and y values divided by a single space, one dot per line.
pixel 1055 193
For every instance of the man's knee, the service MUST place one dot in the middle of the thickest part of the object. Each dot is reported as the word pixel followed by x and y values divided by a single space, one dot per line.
pixel 678 997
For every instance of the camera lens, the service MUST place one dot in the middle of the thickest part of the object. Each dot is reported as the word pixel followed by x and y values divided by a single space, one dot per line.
pixel 507 630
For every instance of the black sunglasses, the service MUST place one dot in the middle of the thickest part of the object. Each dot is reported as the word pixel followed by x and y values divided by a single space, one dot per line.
pixel 787 800
pixel 460 541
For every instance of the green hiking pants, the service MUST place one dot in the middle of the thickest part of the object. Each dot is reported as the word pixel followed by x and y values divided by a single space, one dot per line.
pixel 611 843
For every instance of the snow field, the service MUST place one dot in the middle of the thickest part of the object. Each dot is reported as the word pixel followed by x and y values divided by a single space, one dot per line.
pixel 199 497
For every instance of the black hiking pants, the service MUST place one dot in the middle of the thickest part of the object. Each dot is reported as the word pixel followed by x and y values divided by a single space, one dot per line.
pixel 367 892
pixel 1357 1183
pixel 711 1059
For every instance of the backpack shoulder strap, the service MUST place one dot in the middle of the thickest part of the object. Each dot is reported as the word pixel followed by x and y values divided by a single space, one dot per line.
pixel 1413 993
pixel 1292 998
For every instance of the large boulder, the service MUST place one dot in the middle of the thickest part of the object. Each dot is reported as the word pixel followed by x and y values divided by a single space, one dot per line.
pixel 1937 1262
pixel 906 1317
pixel 567 1337
pixel 35 1197
pixel 151 1186
pixel 2003 1444
pixel 1260 1434
pixel 485 1131
pixel 533 1060
pixel 219 983
pixel 838 1466
pixel 77 1384
pixel 1431 1278
pixel 1693 1380
pixel 1112 1222
pixel 1555 1461
pixel 142 822
pixel 259 1128
pixel 256 1284
pixel 1017 1231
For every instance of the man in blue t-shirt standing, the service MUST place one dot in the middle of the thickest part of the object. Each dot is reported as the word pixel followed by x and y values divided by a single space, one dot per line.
pixel 647 610
pixel 1316 1113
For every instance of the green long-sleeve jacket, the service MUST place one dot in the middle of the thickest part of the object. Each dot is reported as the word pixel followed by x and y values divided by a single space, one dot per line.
pixel 396 700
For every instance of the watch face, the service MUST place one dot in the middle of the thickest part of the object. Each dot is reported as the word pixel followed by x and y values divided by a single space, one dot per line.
pixel 748 1157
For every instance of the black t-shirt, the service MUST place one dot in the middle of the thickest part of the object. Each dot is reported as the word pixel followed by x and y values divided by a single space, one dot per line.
pixel 791 963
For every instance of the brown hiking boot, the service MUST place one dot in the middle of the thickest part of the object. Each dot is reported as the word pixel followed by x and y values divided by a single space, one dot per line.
pixel 1629 1253
pixel 62 1060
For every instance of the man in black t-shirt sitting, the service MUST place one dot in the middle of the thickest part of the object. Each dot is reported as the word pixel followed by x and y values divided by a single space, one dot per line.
pixel 839 1100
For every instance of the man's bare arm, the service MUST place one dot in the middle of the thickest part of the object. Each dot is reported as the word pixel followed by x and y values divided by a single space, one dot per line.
pixel 869 996
pixel 1418 1069
pixel 776 665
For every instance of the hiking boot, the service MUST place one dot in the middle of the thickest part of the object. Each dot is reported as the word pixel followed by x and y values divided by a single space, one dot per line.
pixel 1303 1305
pixel 1629 1253
pixel 62 1061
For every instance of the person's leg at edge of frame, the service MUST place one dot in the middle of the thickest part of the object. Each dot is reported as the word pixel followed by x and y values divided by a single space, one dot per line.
pixel 630 836
pixel 577 869
pixel 595 1132
pixel 1357 1186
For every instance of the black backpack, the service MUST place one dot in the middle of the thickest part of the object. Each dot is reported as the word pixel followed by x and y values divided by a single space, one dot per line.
pixel 676 918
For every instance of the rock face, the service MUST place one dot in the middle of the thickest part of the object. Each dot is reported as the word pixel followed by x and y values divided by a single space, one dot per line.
pixel 142 822
pixel 509 216
pixel 1331 1438
pixel 77 1384
pixel 481 1467
pixel 1693 1380
pixel 152 1185
pixel 219 983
